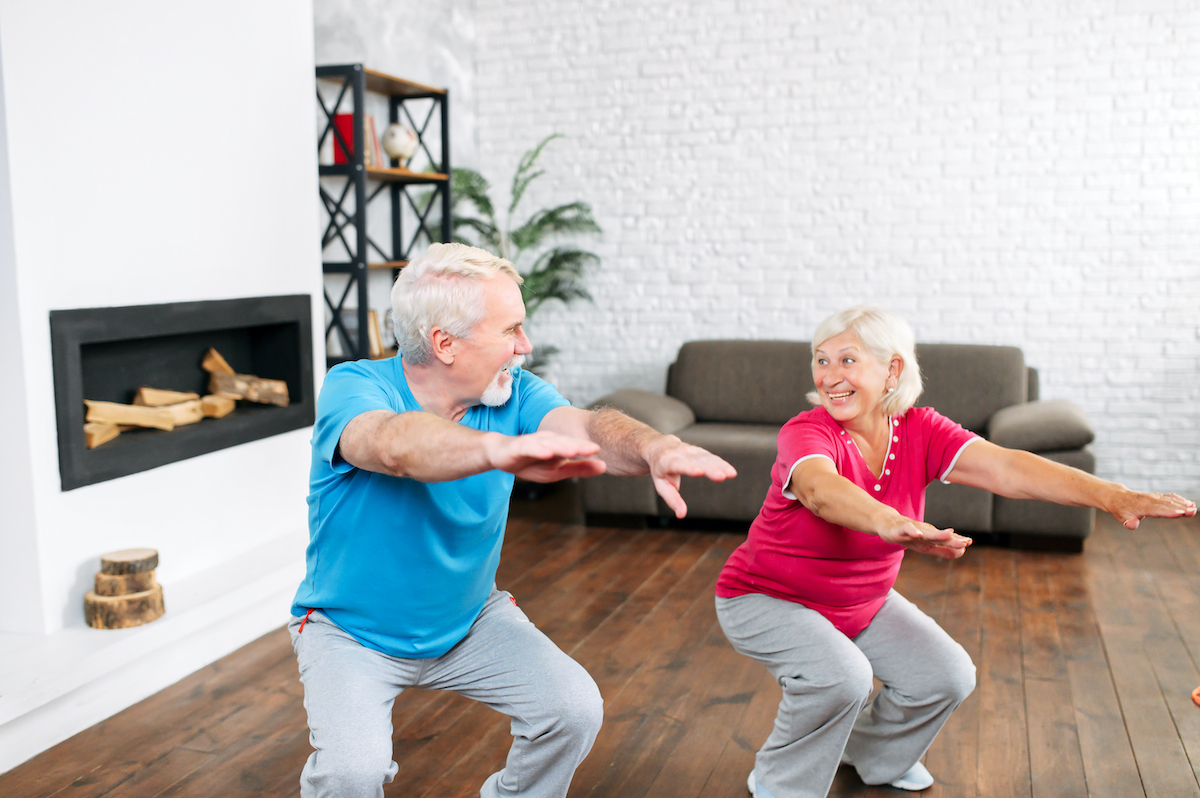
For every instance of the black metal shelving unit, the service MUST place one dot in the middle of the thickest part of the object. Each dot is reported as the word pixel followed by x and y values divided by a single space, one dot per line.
pixel 413 195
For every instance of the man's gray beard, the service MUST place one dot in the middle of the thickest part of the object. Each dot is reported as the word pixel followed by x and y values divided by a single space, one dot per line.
pixel 495 394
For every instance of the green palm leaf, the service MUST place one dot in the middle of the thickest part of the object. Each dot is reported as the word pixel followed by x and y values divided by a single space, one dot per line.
pixel 522 178
pixel 557 274
pixel 574 217
pixel 472 186
pixel 489 236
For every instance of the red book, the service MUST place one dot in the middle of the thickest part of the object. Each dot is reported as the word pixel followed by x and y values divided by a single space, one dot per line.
pixel 345 125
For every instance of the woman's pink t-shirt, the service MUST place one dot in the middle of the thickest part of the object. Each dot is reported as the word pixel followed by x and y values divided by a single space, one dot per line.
pixel 843 574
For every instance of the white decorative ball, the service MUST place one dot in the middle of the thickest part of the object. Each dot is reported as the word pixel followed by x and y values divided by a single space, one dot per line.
pixel 399 141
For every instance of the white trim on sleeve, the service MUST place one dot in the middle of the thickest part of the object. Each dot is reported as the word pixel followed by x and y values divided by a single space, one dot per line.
pixel 787 494
pixel 950 468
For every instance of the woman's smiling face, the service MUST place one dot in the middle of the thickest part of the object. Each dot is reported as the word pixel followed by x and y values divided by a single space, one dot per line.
pixel 849 380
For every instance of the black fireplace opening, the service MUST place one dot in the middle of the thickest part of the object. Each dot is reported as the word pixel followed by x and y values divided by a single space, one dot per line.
pixel 106 354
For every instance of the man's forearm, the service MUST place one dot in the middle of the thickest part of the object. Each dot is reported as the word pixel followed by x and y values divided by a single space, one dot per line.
pixel 416 445
pixel 624 442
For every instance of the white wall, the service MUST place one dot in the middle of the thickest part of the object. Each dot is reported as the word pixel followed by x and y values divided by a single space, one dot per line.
pixel 1013 173
pixel 21 594
pixel 156 153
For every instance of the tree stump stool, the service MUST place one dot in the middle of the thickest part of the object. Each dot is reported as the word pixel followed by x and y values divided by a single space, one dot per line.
pixel 126 593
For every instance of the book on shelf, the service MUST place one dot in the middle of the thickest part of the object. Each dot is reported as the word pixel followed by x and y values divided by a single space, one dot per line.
pixel 374 149
pixel 372 154
pixel 374 338
pixel 344 126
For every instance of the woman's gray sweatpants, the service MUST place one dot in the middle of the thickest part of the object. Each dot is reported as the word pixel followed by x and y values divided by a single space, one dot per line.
pixel 504 662
pixel 826 681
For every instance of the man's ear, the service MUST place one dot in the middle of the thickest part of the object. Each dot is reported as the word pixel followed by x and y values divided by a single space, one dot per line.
pixel 445 346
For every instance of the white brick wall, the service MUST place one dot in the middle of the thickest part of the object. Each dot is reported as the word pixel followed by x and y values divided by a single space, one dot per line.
pixel 1023 173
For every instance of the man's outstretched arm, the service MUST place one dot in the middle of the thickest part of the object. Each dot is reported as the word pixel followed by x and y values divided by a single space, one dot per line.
pixel 631 448
pixel 429 448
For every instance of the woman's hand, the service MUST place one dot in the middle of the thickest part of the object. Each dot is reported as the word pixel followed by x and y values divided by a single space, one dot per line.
pixel 1131 506
pixel 926 539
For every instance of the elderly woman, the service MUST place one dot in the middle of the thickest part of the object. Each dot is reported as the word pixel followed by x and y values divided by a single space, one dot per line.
pixel 809 594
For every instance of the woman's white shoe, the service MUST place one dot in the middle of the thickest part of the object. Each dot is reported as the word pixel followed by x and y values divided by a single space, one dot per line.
pixel 917 778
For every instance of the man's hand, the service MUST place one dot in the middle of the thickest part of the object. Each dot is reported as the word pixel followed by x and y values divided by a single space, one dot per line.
pixel 543 456
pixel 670 459
pixel 1130 507
pixel 927 539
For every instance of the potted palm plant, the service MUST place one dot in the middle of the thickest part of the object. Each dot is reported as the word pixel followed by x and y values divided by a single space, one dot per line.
pixel 553 268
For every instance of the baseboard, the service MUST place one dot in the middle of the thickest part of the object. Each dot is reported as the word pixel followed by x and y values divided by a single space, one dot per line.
pixel 53 687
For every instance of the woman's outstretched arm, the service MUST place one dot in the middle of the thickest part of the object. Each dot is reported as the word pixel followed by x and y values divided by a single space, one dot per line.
pixel 1023 475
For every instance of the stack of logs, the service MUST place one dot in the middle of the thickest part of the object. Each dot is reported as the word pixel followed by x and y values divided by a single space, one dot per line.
pixel 158 409
pixel 126 593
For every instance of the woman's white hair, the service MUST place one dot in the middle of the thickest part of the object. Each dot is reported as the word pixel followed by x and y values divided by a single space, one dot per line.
pixel 442 288
pixel 884 335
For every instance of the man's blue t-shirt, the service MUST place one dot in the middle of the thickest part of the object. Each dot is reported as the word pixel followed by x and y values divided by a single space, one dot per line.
pixel 405 566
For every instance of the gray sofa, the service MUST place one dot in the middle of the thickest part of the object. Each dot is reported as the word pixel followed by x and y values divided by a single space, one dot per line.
pixel 732 397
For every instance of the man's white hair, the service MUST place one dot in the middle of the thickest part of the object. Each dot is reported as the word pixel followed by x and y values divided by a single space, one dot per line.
pixel 884 335
pixel 442 288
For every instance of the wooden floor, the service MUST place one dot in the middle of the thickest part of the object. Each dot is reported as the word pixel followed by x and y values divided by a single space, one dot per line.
pixel 1086 664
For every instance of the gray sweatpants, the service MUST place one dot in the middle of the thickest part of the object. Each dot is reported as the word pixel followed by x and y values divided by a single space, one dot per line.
pixel 504 662
pixel 826 679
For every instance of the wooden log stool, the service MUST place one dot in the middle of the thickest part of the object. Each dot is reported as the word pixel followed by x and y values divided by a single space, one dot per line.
pixel 126 593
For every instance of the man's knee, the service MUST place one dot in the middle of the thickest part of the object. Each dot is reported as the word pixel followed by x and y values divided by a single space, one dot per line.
pixel 349 768
pixel 573 705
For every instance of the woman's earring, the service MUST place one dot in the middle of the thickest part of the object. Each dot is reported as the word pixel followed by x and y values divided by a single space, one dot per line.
pixel 891 390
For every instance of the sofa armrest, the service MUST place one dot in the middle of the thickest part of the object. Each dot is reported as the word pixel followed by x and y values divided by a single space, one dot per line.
pixel 666 414
pixel 1040 427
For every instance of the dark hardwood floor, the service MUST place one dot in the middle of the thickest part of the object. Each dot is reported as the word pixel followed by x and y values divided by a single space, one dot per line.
pixel 1086 665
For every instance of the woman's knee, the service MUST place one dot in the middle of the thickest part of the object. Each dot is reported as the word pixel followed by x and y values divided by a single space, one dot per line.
pixel 960 676
pixel 845 684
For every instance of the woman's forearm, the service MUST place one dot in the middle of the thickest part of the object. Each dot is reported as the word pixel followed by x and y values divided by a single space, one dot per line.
pixel 833 498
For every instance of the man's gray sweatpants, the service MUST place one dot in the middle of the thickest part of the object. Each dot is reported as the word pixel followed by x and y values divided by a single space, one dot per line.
pixel 504 662
pixel 826 679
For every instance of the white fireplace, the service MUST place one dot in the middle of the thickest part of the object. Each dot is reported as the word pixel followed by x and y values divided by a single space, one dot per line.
pixel 151 153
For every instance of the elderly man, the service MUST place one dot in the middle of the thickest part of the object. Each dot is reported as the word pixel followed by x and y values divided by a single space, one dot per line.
pixel 413 464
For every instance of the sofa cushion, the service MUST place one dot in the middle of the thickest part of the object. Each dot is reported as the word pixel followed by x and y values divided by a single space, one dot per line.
pixel 1028 516
pixel 750 448
pixel 758 382
pixel 1041 427
pixel 666 414
pixel 969 383
pixel 959 507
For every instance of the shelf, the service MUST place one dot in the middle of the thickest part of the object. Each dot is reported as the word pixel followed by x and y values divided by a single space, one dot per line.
pixel 397 87
pixel 390 175
pixel 413 196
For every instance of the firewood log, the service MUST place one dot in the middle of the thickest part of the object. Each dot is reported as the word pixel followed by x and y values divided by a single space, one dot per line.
pixel 214 363
pixel 186 412
pixel 116 413
pixel 124 584
pixel 250 388
pixel 155 397
pixel 121 612
pixel 129 561
pixel 217 406
pixel 96 434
